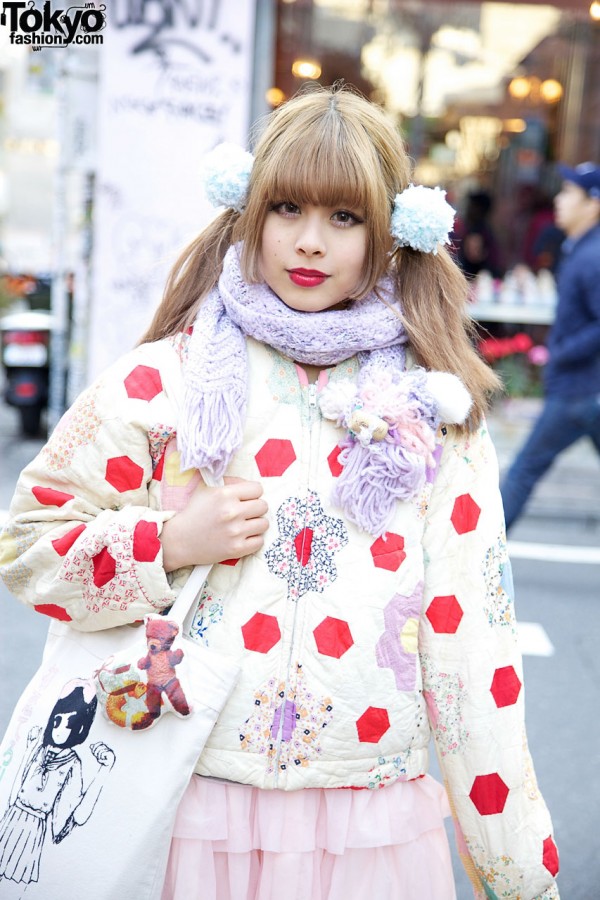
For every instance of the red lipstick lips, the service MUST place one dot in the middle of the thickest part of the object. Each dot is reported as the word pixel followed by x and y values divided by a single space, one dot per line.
pixel 307 277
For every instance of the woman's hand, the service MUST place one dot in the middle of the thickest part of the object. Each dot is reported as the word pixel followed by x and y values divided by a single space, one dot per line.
pixel 218 523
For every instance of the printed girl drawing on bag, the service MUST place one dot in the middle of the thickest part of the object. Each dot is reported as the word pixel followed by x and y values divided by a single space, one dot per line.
pixel 313 348
pixel 48 792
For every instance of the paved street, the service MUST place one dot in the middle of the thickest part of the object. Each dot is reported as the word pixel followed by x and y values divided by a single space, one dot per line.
pixel 556 561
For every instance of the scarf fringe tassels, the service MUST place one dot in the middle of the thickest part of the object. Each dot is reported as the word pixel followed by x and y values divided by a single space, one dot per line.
pixel 220 419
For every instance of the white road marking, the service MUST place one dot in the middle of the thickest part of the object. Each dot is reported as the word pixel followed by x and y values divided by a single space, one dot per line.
pixel 561 553
pixel 533 640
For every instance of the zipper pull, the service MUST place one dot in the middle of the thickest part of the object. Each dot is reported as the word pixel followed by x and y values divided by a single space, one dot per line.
pixel 312 395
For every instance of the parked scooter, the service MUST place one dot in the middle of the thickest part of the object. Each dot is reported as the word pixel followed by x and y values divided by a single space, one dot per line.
pixel 25 359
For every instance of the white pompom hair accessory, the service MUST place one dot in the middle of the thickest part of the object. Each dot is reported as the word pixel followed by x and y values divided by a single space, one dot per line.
pixel 422 218
pixel 451 396
pixel 226 175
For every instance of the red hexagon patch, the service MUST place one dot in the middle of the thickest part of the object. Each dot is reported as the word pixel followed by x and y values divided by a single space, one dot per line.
pixel 50 497
pixel 445 614
pixel 146 544
pixel 489 794
pixel 104 567
pixel 63 544
pixel 550 856
pixel 465 514
pixel 333 637
pixel 388 553
pixel 261 632
pixel 143 383
pixel 372 725
pixel 303 545
pixel 159 468
pixel 54 611
pixel 506 686
pixel 335 466
pixel 274 457
pixel 124 474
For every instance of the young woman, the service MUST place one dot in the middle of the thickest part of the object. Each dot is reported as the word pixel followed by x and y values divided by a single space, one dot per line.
pixel 312 347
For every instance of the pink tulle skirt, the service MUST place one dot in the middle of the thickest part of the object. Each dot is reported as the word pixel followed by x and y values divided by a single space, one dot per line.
pixel 236 842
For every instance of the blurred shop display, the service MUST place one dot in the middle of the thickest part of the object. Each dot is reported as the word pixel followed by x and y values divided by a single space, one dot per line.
pixel 488 96
pixel 522 295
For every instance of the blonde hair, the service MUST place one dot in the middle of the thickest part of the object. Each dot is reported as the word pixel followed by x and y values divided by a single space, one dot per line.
pixel 331 147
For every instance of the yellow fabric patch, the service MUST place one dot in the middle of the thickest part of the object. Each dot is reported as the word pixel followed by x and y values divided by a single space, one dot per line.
pixel 173 476
pixel 409 635
pixel 8 549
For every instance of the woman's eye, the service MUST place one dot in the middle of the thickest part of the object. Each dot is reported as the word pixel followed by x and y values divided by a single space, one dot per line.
pixel 286 209
pixel 344 217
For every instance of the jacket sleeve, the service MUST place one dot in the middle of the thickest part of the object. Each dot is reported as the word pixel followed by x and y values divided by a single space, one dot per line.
pixel 81 543
pixel 473 680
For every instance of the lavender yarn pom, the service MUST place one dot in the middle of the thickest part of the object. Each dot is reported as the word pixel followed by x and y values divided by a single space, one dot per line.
pixel 422 219
pixel 226 175
pixel 374 479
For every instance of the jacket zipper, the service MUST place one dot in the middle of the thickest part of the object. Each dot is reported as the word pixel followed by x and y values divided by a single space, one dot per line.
pixel 313 416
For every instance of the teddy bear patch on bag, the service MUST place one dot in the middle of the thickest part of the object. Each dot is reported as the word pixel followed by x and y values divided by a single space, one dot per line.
pixel 134 691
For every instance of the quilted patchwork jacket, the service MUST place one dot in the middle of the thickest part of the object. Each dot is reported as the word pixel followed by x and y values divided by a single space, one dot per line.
pixel 355 650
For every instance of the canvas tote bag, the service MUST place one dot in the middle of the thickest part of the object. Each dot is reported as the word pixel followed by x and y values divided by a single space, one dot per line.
pixel 92 771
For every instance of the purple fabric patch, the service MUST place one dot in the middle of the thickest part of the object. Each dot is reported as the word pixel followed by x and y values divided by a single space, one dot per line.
pixel 389 651
pixel 289 720
pixel 431 472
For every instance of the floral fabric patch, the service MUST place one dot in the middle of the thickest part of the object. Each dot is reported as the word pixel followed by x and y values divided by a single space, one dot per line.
pixel 500 874
pixel 309 539
pixel 497 571
pixel 287 725
pixel 445 694
pixel 77 428
pixel 104 563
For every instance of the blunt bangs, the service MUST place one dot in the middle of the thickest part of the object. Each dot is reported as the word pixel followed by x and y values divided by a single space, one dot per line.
pixel 324 169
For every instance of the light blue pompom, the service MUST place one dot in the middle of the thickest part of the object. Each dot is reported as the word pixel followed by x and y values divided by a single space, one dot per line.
pixel 421 218
pixel 226 175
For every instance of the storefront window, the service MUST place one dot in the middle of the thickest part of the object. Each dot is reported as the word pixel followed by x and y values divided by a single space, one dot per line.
pixel 487 95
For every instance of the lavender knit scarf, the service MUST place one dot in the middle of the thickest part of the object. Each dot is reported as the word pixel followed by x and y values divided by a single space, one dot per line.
pixel 211 426
pixel 216 371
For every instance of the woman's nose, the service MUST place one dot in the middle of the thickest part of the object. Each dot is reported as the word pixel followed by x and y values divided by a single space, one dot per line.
pixel 310 239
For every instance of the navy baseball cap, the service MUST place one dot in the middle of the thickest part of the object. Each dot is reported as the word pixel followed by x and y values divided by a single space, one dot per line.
pixel 586 175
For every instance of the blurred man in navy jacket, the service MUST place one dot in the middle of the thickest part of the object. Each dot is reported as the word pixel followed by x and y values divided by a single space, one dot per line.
pixel 572 378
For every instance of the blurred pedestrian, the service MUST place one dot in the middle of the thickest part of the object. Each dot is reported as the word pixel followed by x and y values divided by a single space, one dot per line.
pixel 572 377
pixel 477 249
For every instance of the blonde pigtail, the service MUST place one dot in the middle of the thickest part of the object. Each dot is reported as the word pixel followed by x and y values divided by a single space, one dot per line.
pixel 433 292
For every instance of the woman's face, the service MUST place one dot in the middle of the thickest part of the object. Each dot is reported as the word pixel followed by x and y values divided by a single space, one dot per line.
pixel 61 729
pixel 312 257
